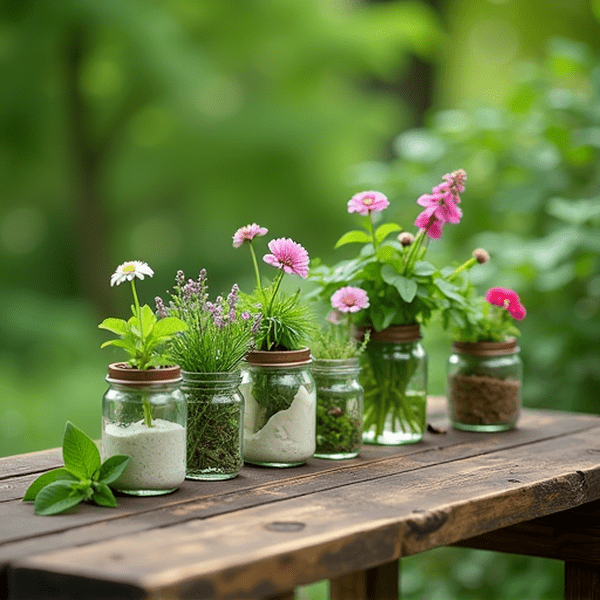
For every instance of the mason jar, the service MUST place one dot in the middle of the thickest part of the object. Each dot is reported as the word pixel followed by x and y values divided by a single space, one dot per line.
pixel 484 385
pixel 280 406
pixel 394 377
pixel 144 417
pixel 214 424
pixel 339 408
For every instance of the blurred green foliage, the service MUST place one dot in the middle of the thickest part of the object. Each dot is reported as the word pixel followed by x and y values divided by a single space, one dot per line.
pixel 153 129
pixel 532 200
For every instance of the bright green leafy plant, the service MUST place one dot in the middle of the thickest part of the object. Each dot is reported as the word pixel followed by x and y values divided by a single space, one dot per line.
pixel 83 478
pixel 143 336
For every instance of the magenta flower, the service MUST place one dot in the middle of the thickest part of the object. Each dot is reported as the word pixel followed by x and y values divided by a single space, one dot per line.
pixel 441 205
pixel 289 256
pixel 507 299
pixel 365 203
pixel 350 299
pixel 500 296
pixel 247 234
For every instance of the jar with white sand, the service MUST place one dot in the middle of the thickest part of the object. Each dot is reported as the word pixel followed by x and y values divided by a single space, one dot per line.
pixel 280 408
pixel 144 417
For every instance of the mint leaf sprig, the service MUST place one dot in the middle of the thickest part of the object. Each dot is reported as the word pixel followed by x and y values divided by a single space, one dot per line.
pixel 83 478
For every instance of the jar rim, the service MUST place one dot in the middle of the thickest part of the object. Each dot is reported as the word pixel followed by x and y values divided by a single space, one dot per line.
pixel 487 348
pixel 393 333
pixel 278 358
pixel 123 374
pixel 336 362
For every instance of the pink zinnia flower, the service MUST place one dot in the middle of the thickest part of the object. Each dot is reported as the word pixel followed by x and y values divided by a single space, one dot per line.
pixel 289 256
pixel 441 205
pixel 507 299
pixel 367 202
pixel 500 296
pixel 350 299
pixel 248 233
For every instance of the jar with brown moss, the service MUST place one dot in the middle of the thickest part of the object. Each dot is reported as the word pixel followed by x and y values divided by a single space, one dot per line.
pixel 484 385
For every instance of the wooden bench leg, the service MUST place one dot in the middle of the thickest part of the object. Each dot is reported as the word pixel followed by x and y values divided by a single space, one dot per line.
pixel 377 583
pixel 582 581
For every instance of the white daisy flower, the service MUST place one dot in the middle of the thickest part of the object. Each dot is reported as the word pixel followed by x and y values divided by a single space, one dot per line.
pixel 129 270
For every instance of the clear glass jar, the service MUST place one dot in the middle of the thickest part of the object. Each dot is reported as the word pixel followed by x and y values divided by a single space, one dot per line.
pixel 214 424
pixel 280 408
pixel 394 377
pixel 144 417
pixel 339 408
pixel 484 385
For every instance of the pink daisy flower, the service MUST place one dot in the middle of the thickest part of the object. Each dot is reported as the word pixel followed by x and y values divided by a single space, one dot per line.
pixel 441 205
pixel 500 296
pixel 289 256
pixel 350 299
pixel 507 299
pixel 248 233
pixel 517 311
pixel 365 203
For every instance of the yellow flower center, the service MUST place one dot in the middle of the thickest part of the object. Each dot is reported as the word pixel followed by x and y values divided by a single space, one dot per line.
pixel 129 269
pixel 368 201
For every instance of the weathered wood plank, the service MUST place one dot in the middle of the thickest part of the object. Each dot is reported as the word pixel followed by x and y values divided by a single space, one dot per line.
pixel 337 531
pixel 377 583
pixel 22 534
pixel 582 581
pixel 572 535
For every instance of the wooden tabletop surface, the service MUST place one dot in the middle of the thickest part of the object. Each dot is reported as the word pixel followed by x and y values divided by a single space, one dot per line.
pixel 269 530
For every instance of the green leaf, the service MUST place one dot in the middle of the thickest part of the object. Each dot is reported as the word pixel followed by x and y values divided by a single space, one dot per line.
pixel 80 453
pixel 449 290
pixel 407 288
pixel 423 268
pixel 355 236
pixel 384 230
pixel 118 326
pixel 43 480
pixel 168 326
pixel 103 495
pixel 57 497
pixel 128 345
pixel 112 468
pixel 148 320
pixel 382 317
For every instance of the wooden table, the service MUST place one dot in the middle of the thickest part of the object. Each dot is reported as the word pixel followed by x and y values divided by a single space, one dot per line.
pixel 531 490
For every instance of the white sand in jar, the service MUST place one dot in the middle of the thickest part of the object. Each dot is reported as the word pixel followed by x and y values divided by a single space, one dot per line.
pixel 288 436
pixel 157 454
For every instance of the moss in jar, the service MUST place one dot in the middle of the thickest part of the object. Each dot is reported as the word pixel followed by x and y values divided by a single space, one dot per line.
pixel 213 436
pixel 337 431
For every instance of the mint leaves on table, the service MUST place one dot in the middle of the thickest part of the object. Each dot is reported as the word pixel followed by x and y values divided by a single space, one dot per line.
pixel 83 477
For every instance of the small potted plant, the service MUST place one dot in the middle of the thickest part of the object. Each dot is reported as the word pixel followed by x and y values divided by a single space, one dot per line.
pixel 278 388
pixel 335 368
pixel 210 351
pixel 484 369
pixel 404 290
pixel 143 410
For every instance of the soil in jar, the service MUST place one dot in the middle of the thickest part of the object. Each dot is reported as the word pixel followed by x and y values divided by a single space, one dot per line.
pixel 483 400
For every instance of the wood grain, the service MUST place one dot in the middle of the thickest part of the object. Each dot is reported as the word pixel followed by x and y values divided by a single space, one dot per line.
pixel 345 529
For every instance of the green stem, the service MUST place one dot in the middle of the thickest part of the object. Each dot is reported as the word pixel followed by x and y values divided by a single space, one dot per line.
pixel 271 303
pixel 467 265
pixel 147 408
pixel 372 231
pixel 255 263
pixel 411 256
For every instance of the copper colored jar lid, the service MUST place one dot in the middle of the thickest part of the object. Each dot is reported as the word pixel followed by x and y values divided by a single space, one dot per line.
pixel 279 358
pixel 486 348
pixel 395 333
pixel 122 373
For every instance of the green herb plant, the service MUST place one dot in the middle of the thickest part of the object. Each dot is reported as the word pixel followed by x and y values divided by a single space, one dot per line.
pixel 216 339
pixel 83 478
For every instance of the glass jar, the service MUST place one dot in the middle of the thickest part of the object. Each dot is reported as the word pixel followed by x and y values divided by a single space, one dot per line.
pixel 214 424
pixel 144 417
pixel 280 408
pixel 339 408
pixel 484 385
pixel 394 377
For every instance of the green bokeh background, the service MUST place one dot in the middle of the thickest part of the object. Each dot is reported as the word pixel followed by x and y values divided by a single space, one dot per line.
pixel 153 129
